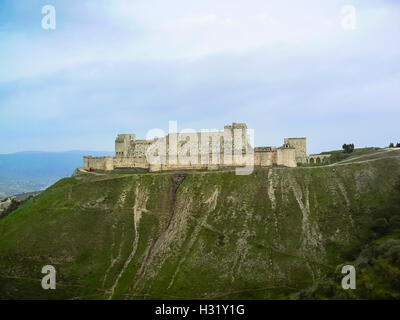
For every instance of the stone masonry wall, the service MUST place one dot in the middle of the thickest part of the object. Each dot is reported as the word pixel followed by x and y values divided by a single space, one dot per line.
pixel 100 163
pixel 286 157
pixel 131 153
pixel 300 144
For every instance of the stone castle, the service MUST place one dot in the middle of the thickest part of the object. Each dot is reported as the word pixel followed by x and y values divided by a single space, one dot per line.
pixel 201 150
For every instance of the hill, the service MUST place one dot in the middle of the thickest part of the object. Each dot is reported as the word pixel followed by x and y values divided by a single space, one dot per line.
pixel 279 233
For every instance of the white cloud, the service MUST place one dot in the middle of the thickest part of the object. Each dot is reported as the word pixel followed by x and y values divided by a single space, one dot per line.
pixel 197 20
pixel 160 30
pixel 152 61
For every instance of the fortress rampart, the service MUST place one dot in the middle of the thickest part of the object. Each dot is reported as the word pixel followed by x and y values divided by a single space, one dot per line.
pixel 299 144
pixel 199 150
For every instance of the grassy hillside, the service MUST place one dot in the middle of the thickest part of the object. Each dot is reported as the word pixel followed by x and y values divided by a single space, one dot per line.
pixel 278 233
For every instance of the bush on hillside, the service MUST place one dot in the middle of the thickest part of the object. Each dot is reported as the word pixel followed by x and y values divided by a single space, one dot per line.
pixel 348 148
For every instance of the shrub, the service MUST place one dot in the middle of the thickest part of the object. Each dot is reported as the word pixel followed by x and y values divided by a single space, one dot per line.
pixel 348 148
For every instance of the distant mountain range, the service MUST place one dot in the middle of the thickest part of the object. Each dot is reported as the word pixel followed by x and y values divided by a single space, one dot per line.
pixel 36 170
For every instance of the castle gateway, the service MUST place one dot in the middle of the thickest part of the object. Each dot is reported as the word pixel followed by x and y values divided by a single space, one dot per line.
pixel 198 150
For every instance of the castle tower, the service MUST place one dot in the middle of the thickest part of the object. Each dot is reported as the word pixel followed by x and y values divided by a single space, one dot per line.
pixel 122 144
pixel 300 144
pixel 245 138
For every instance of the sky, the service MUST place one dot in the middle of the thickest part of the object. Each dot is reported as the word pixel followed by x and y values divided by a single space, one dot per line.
pixel 306 68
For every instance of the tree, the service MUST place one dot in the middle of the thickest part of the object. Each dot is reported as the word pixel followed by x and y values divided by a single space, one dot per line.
pixel 391 145
pixel 398 145
pixel 348 148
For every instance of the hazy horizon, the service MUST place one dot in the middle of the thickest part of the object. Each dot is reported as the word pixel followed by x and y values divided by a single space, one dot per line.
pixel 62 151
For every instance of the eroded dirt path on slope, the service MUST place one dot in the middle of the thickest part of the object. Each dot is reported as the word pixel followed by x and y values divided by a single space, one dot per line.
pixel 177 180
pixel 139 207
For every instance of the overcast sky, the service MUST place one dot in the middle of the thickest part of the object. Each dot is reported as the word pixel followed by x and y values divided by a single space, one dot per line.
pixel 286 68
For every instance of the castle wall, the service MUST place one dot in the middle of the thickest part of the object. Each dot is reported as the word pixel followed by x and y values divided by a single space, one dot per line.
pixel 264 158
pixel 169 167
pixel 286 157
pixel 300 144
pixel 130 162
pixel 123 144
pixel 99 163
pixel 131 153
pixel 318 158
pixel 138 148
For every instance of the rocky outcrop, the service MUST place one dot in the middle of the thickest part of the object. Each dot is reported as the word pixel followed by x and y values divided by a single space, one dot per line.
pixel 8 205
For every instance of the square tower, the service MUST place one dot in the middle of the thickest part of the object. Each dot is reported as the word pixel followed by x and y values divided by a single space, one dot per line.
pixel 300 144
pixel 242 127
pixel 122 144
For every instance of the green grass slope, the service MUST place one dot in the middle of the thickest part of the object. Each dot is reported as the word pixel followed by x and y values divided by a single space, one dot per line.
pixel 271 235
